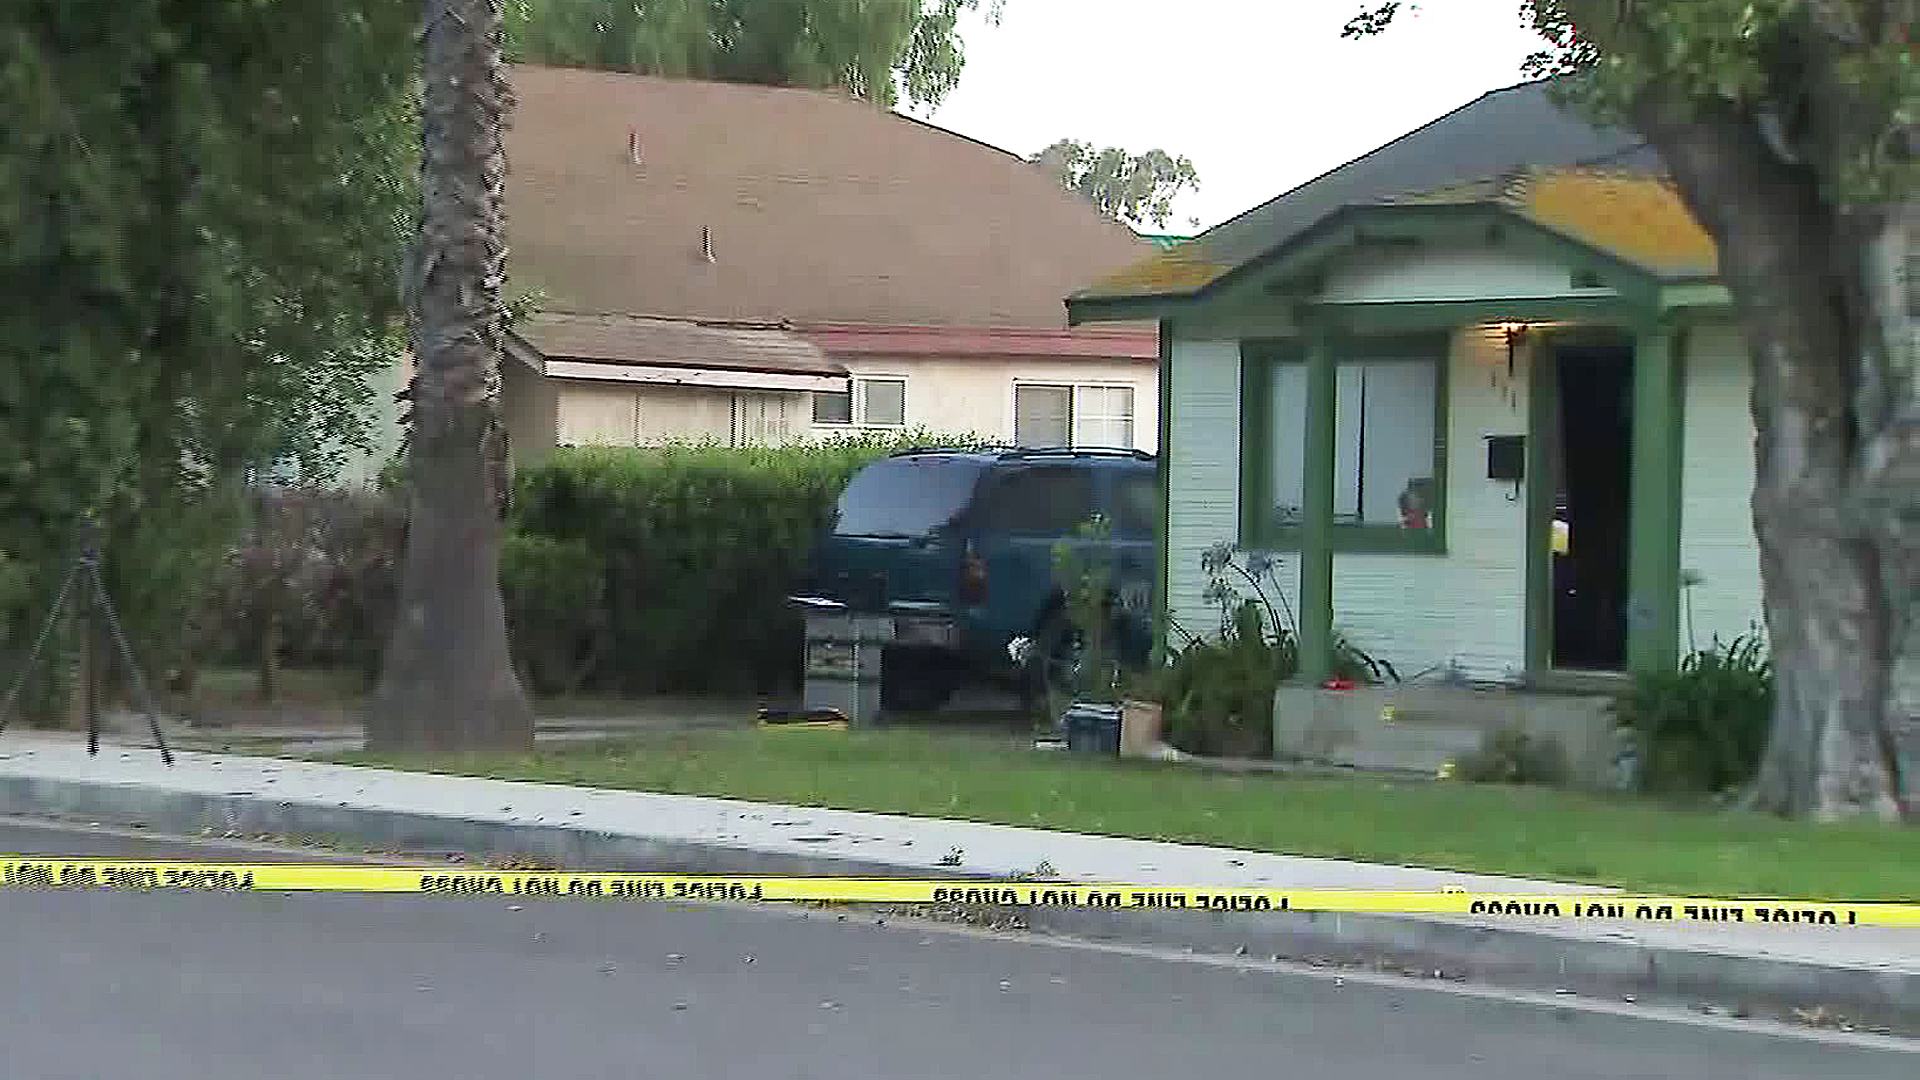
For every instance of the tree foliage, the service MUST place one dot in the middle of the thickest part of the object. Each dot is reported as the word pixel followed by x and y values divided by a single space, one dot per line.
pixel 881 50
pixel 1134 188
pixel 203 202
pixel 1790 129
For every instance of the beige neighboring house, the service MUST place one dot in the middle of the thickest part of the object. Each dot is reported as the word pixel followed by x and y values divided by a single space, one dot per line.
pixel 752 264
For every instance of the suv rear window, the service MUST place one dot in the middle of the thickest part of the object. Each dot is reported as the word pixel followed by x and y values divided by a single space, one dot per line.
pixel 1136 504
pixel 1044 500
pixel 907 497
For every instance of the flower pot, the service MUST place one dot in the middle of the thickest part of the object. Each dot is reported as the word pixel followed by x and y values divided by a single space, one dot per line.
pixel 1141 724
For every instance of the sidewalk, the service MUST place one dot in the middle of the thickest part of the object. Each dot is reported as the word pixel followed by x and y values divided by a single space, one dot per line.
pixel 1861 971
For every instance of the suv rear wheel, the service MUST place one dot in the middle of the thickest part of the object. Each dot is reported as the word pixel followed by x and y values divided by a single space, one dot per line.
pixel 914 681
pixel 1050 679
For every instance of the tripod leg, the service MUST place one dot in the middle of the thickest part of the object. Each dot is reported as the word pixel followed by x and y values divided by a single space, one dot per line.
pixel 133 666
pixel 92 654
pixel 40 644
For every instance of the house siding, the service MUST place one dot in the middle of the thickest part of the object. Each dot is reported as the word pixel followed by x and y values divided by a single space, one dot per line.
pixel 597 414
pixel 1716 530
pixel 1203 472
pixel 1471 609
pixel 532 409
pixel 1451 273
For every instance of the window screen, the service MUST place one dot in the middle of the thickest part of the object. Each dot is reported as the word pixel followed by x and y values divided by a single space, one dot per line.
pixel 835 407
pixel 883 402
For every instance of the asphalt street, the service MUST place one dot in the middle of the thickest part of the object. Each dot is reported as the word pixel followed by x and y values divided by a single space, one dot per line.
pixel 171 986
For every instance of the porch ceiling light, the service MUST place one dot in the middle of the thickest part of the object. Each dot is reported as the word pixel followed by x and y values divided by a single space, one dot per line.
pixel 1514 332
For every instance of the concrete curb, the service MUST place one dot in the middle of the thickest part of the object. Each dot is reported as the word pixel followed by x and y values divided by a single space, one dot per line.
pixel 1419 947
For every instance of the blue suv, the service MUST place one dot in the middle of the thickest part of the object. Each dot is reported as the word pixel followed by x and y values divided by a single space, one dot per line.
pixel 958 545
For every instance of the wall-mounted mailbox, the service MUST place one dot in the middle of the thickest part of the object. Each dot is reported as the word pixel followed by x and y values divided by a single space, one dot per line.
pixel 1507 457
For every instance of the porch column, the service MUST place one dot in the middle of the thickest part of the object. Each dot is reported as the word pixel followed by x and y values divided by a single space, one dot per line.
pixel 1316 533
pixel 1653 523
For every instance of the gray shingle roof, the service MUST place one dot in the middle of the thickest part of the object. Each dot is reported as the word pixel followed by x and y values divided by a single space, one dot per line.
pixel 1512 131
pixel 1502 130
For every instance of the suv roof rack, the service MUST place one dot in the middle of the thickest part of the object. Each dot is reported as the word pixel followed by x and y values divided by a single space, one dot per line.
pixel 995 448
pixel 1078 451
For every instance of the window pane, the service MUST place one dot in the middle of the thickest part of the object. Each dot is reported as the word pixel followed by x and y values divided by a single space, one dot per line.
pixel 883 402
pixel 1106 401
pixel 1396 475
pixel 1287 463
pixel 1104 417
pixel 1042 415
pixel 1044 501
pixel 1383 443
pixel 1105 434
pixel 832 407
pixel 906 496
pixel 1349 395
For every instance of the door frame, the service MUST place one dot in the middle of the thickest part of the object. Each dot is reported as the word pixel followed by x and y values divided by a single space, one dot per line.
pixel 1543 454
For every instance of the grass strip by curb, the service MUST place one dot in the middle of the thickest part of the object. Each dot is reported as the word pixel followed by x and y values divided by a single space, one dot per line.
pixel 1526 832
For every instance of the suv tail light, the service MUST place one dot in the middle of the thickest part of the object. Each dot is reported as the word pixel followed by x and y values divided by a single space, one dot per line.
pixel 973 577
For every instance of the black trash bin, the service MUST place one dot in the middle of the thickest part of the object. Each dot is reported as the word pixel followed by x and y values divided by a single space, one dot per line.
pixel 1093 729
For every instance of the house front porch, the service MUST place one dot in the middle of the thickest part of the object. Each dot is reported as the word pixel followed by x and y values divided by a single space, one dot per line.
pixel 1493 433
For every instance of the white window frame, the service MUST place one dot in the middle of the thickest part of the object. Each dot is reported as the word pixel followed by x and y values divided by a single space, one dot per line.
pixel 1074 413
pixel 859 409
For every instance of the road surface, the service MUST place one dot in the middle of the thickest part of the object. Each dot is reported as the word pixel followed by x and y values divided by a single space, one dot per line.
pixel 169 986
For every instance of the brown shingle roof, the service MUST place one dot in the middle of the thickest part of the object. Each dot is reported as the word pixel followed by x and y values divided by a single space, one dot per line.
pixel 820 208
pixel 629 339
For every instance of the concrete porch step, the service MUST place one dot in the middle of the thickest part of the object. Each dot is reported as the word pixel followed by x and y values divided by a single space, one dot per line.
pixel 1422 750
pixel 1419 727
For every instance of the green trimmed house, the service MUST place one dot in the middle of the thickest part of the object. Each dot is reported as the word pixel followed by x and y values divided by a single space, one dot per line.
pixel 1481 392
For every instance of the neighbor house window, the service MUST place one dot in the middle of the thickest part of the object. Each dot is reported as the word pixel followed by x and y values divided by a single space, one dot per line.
pixel 1066 415
pixel 1388 450
pixel 871 402
pixel 833 406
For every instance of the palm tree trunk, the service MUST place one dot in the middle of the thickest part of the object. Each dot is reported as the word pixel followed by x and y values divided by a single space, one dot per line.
pixel 449 681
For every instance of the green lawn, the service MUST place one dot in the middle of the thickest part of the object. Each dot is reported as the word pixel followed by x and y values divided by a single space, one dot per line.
pixel 1529 832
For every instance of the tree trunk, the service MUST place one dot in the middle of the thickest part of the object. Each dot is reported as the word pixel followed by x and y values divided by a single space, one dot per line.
pixel 1837 466
pixel 270 655
pixel 449 681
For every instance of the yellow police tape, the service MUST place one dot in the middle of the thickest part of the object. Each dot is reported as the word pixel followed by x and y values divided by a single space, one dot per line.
pixel 26 872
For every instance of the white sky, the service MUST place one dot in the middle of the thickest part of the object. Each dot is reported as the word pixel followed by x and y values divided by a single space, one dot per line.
pixel 1263 95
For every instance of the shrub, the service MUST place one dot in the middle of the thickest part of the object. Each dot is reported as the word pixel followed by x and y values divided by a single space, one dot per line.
pixel 1220 689
pixel 1511 756
pixel 555 592
pixel 314 579
pixel 676 560
pixel 1086 584
pixel 1703 728
pixel 701 546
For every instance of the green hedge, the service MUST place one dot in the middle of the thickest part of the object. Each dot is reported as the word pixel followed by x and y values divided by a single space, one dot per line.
pixel 701 546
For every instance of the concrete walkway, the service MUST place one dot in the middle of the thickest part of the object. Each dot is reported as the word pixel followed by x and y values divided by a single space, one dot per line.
pixel 392 810
pixel 304 737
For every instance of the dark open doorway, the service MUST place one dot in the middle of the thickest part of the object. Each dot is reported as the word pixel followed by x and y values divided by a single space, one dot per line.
pixel 1596 439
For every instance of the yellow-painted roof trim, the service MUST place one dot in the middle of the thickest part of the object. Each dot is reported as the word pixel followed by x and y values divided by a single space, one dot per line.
pixel 1173 272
